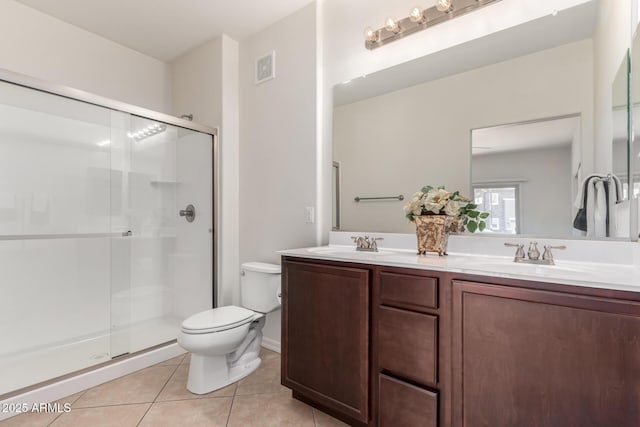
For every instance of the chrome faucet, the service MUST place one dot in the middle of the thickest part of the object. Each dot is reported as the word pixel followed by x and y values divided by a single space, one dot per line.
pixel 365 243
pixel 534 254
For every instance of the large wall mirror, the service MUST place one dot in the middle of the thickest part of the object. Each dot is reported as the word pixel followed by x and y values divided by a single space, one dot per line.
pixel 516 120
pixel 634 102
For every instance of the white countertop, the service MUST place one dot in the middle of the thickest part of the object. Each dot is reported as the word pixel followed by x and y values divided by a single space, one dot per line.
pixel 623 277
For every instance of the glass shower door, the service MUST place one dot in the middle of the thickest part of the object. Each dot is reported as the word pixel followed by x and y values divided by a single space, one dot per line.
pixel 54 236
pixel 161 272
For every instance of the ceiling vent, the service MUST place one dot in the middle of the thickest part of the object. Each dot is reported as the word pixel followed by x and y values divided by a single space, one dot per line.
pixel 266 67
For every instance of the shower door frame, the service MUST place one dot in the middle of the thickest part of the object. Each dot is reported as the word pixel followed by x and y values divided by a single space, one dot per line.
pixel 100 101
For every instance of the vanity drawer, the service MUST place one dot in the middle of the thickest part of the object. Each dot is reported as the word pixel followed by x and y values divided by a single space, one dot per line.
pixel 408 344
pixel 408 291
pixel 406 405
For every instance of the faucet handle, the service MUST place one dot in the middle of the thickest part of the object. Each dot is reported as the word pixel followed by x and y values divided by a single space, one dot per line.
pixel 547 255
pixel 374 243
pixel 519 252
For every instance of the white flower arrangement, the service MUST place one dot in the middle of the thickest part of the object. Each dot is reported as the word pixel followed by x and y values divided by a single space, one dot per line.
pixel 438 201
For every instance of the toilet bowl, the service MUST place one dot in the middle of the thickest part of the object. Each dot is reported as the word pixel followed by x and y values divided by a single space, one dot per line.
pixel 225 342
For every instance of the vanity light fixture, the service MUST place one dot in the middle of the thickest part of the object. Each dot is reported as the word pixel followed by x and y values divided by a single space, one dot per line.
pixel 420 19
pixel 391 25
pixel 444 5
pixel 416 14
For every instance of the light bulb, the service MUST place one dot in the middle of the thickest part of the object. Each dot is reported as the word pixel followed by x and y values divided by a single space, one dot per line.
pixel 444 5
pixel 391 24
pixel 415 14
pixel 370 34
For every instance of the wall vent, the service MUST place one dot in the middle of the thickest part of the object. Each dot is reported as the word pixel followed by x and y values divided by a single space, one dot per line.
pixel 266 67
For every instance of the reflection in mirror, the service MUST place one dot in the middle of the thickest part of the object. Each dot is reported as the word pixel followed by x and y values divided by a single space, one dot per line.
pixel 634 150
pixel 335 185
pixel 411 125
pixel 516 166
pixel 620 142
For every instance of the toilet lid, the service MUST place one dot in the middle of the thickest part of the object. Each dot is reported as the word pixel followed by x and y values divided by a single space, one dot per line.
pixel 217 319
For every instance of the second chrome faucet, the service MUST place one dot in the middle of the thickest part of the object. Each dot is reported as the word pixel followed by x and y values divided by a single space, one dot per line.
pixel 533 253
pixel 365 243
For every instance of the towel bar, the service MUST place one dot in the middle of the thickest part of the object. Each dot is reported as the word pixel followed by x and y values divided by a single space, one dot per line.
pixel 400 197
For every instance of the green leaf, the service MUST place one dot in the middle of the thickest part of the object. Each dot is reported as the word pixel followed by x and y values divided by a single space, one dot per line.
pixel 471 206
pixel 482 225
pixel 426 189
pixel 472 226
pixel 484 215
pixel 473 214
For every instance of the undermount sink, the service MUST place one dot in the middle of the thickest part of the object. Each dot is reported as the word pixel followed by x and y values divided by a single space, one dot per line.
pixel 344 251
pixel 508 266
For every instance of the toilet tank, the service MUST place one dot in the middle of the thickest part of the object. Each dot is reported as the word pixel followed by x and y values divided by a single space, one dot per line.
pixel 260 286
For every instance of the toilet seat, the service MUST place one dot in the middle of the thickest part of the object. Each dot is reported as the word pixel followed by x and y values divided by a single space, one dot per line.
pixel 217 320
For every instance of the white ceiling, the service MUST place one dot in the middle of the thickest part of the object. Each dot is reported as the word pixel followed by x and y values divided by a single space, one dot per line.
pixel 165 29
pixel 525 136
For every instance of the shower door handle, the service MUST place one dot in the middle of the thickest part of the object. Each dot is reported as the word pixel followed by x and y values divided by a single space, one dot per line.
pixel 189 213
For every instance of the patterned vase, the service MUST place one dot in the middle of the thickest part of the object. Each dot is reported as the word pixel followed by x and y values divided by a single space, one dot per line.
pixel 433 232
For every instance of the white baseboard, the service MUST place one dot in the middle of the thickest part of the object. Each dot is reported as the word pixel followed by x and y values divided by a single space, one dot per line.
pixel 86 380
pixel 271 344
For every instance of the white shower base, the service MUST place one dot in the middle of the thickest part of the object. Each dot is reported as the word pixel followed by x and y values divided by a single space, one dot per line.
pixel 34 367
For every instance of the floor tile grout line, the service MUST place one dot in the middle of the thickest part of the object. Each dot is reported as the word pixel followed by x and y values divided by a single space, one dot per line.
pixel 157 395
pixel 110 405
pixel 233 400
pixel 54 420
pixel 192 398
pixel 175 371
pixel 145 414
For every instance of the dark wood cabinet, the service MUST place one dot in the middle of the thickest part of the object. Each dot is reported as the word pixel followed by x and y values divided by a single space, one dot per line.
pixel 527 357
pixel 386 346
pixel 406 341
pixel 325 337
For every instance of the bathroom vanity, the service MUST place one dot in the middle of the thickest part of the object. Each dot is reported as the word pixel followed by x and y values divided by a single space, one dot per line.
pixel 398 339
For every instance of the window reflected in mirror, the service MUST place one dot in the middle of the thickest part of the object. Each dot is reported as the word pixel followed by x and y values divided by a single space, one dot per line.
pixel 501 203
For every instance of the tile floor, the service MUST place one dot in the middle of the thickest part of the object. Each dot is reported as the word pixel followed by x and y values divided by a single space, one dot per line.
pixel 157 396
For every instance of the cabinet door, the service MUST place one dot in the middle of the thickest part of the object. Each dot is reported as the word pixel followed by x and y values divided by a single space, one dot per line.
pixel 326 335
pixel 525 357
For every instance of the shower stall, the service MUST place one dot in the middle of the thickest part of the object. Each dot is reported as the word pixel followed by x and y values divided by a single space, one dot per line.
pixel 106 230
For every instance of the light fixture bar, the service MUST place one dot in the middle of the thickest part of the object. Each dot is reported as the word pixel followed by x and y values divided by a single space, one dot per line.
pixel 431 16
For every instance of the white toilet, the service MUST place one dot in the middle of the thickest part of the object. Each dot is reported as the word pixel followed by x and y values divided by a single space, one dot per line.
pixel 225 342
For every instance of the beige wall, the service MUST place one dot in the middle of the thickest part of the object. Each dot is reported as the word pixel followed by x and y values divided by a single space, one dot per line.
pixel 46 48
pixel 278 144
pixel 398 142
pixel 610 42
